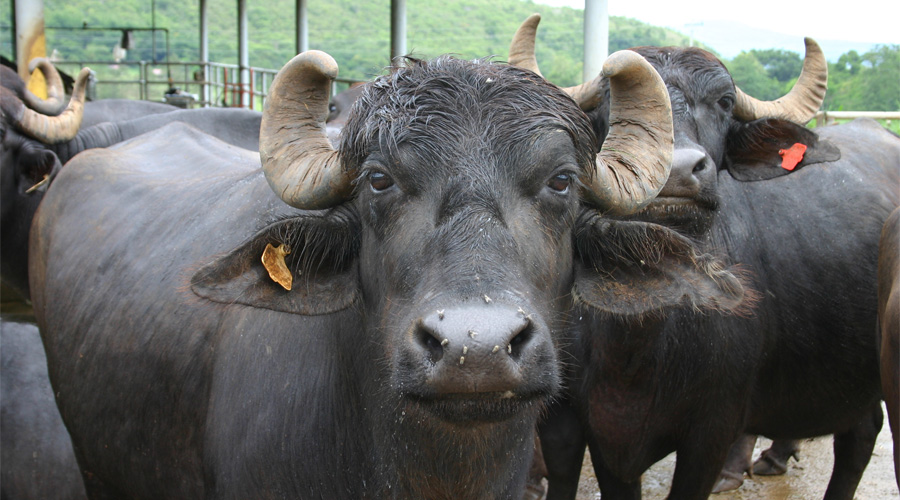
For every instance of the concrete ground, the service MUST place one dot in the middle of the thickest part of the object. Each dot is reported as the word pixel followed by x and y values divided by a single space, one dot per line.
pixel 804 480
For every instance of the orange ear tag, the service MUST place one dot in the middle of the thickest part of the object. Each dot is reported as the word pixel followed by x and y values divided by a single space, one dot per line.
pixel 273 261
pixel 792 156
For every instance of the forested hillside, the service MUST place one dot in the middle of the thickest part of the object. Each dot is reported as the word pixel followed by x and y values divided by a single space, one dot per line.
pixel 357 34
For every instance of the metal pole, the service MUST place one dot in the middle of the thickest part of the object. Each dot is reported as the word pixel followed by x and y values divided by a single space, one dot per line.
pixel 302 27
pixel 243 53
pixel 596 37
pixel 204 52
pixel 143 78
pixel 12 16
pixel 30 42
pixel 398 28
pixel 153 28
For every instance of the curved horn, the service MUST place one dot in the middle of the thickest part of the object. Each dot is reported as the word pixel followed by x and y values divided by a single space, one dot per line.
pixel 801 103
pixel 521 54
pixel 55 102
pixel 54 129
pixel 635 159
pixel 521 49
pixel 297 158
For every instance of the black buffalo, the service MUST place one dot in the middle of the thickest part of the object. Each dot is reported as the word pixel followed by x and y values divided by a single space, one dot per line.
pixel 30 155
pixel 117 110
pixel 802 362
pixel 382 320
pixel 339 110
pixel 889 325
pixel 36 457
pixel 35 143
pixel 27 126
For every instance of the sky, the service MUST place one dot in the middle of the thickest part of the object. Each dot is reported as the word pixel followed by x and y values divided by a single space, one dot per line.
pixel 868 21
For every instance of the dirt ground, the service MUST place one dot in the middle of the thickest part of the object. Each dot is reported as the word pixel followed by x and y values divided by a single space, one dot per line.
pixel 804 480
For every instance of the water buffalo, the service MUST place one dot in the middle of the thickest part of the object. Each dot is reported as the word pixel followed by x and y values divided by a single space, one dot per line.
pixel 27 159
pixel 380 320
pixel 54 104
pixel 117 110
pixel 34 144
pixel 37 460
pixel 889 325
pixel 803 361
pixel 27 126
pixel 236 126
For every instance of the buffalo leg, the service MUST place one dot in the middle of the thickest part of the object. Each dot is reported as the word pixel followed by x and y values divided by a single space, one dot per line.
pixel 611 487
pixel 852 451
pixel 774 461
pixel 698 462
pixel 534 487
pixel 562 442
pixel 739 461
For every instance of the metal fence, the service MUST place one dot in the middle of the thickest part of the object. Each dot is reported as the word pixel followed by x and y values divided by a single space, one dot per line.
pixel 186 84
pixel 218 84
pixel 831 117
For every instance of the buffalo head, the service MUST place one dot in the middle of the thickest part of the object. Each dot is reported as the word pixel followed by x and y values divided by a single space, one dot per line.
pixel 450 207
pixel 717 126
pixel 27 126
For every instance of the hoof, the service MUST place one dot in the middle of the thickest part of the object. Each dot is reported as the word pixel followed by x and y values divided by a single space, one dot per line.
pixel 769 465
pixel 533 492
pixel 728 481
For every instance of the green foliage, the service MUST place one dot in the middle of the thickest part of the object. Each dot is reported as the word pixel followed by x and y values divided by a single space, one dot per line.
pixel 356 34
pixel 867 82
pixel 870 82
pixel 782 65
pixel 751 76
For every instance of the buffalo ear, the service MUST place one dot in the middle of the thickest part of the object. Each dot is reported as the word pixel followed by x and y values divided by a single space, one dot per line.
pixel 322 263
pixel 753 149
pixel 37 167
pixel 636 268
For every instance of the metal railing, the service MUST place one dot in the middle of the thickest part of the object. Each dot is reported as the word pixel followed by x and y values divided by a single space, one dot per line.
pixel 204 84
pixel 830 117
pixel 218 84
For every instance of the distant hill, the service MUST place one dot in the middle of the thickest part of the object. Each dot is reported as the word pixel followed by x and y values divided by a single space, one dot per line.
pixel 356 34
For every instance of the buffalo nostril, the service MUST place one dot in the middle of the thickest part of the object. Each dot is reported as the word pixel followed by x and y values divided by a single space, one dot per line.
pixel 520 341
pixel 431 345
pixel 686 161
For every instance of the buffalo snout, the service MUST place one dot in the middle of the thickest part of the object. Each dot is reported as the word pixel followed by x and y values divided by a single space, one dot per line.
pixel 480 351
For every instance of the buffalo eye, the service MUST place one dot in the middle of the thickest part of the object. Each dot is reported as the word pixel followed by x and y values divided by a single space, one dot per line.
pixel 726 102
pixel 560 182
pixel 380 181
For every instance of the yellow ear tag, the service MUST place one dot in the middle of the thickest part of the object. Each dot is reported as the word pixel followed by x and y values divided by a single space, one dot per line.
pixel 273 261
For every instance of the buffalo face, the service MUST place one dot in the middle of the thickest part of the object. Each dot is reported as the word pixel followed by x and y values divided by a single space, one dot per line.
pixel 466 231
pixel 453 197
pixel 719 128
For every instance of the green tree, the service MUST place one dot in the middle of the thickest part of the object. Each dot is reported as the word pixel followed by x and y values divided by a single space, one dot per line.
pixel 750 75
pixel 782 65
pixel 867 82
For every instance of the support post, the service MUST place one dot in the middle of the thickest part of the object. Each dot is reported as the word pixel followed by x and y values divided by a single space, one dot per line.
pixel 596 37
pixel 243 53
pixel 30 42
pixel 398 28
pixel 204 52
pixel 302 27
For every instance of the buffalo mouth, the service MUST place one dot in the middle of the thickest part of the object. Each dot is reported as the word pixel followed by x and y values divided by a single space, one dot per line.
pixel 473 408
pixel 687 215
